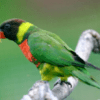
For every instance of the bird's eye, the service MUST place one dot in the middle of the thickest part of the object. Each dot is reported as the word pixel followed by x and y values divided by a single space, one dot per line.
pixel 7 26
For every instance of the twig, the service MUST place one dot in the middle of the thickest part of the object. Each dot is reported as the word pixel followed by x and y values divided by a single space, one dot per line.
pixel 89 41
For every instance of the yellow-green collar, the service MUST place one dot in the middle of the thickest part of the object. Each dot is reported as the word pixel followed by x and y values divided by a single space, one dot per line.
pixel 22 30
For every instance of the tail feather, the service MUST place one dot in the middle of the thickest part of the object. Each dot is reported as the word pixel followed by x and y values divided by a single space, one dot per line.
pixel 80 62
pixel 91 66
pixel 85 78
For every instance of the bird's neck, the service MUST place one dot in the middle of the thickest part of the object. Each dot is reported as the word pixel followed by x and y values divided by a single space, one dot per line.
pixel 25 29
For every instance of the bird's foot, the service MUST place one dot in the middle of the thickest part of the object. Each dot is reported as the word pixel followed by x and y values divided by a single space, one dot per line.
pixel 46 82
pixel 68 83
pixel 61 83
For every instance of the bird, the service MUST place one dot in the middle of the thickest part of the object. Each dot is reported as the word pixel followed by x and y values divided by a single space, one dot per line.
pixel 50 54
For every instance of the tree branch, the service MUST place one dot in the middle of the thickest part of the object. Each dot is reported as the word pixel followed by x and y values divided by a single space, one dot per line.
pixel 89 41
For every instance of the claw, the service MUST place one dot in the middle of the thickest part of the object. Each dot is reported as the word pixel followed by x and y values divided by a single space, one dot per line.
pixel 68 83
pixel 57 82
pixel 61 82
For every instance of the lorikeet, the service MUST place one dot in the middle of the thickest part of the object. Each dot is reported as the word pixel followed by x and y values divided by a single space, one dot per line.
pixel 47 51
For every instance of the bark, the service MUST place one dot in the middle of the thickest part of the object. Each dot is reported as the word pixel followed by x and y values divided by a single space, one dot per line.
pixel 89 41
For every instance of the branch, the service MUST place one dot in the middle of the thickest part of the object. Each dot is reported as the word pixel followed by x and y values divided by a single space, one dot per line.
pixel 89 41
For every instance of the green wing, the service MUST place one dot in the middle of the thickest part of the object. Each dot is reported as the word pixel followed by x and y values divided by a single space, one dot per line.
pixel 49 48
pixel 57 38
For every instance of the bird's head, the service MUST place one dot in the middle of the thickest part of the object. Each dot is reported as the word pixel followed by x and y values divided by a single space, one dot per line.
pixel 14 29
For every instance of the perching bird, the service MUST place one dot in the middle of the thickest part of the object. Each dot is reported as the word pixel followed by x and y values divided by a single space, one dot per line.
pixel 47 51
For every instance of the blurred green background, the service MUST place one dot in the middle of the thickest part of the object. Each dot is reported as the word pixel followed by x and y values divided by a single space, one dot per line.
pixel 68 19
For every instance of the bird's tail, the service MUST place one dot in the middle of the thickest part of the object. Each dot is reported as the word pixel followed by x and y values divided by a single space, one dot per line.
pixel 85 77
pixel 89 65
pixel 80 62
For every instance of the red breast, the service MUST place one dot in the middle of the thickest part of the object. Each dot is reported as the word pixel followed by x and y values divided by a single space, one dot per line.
pixel 26 51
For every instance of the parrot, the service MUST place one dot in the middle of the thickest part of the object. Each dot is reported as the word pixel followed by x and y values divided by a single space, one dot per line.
pixel 50 54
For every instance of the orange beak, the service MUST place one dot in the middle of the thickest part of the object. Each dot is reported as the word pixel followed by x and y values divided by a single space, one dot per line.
pixel 2 36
